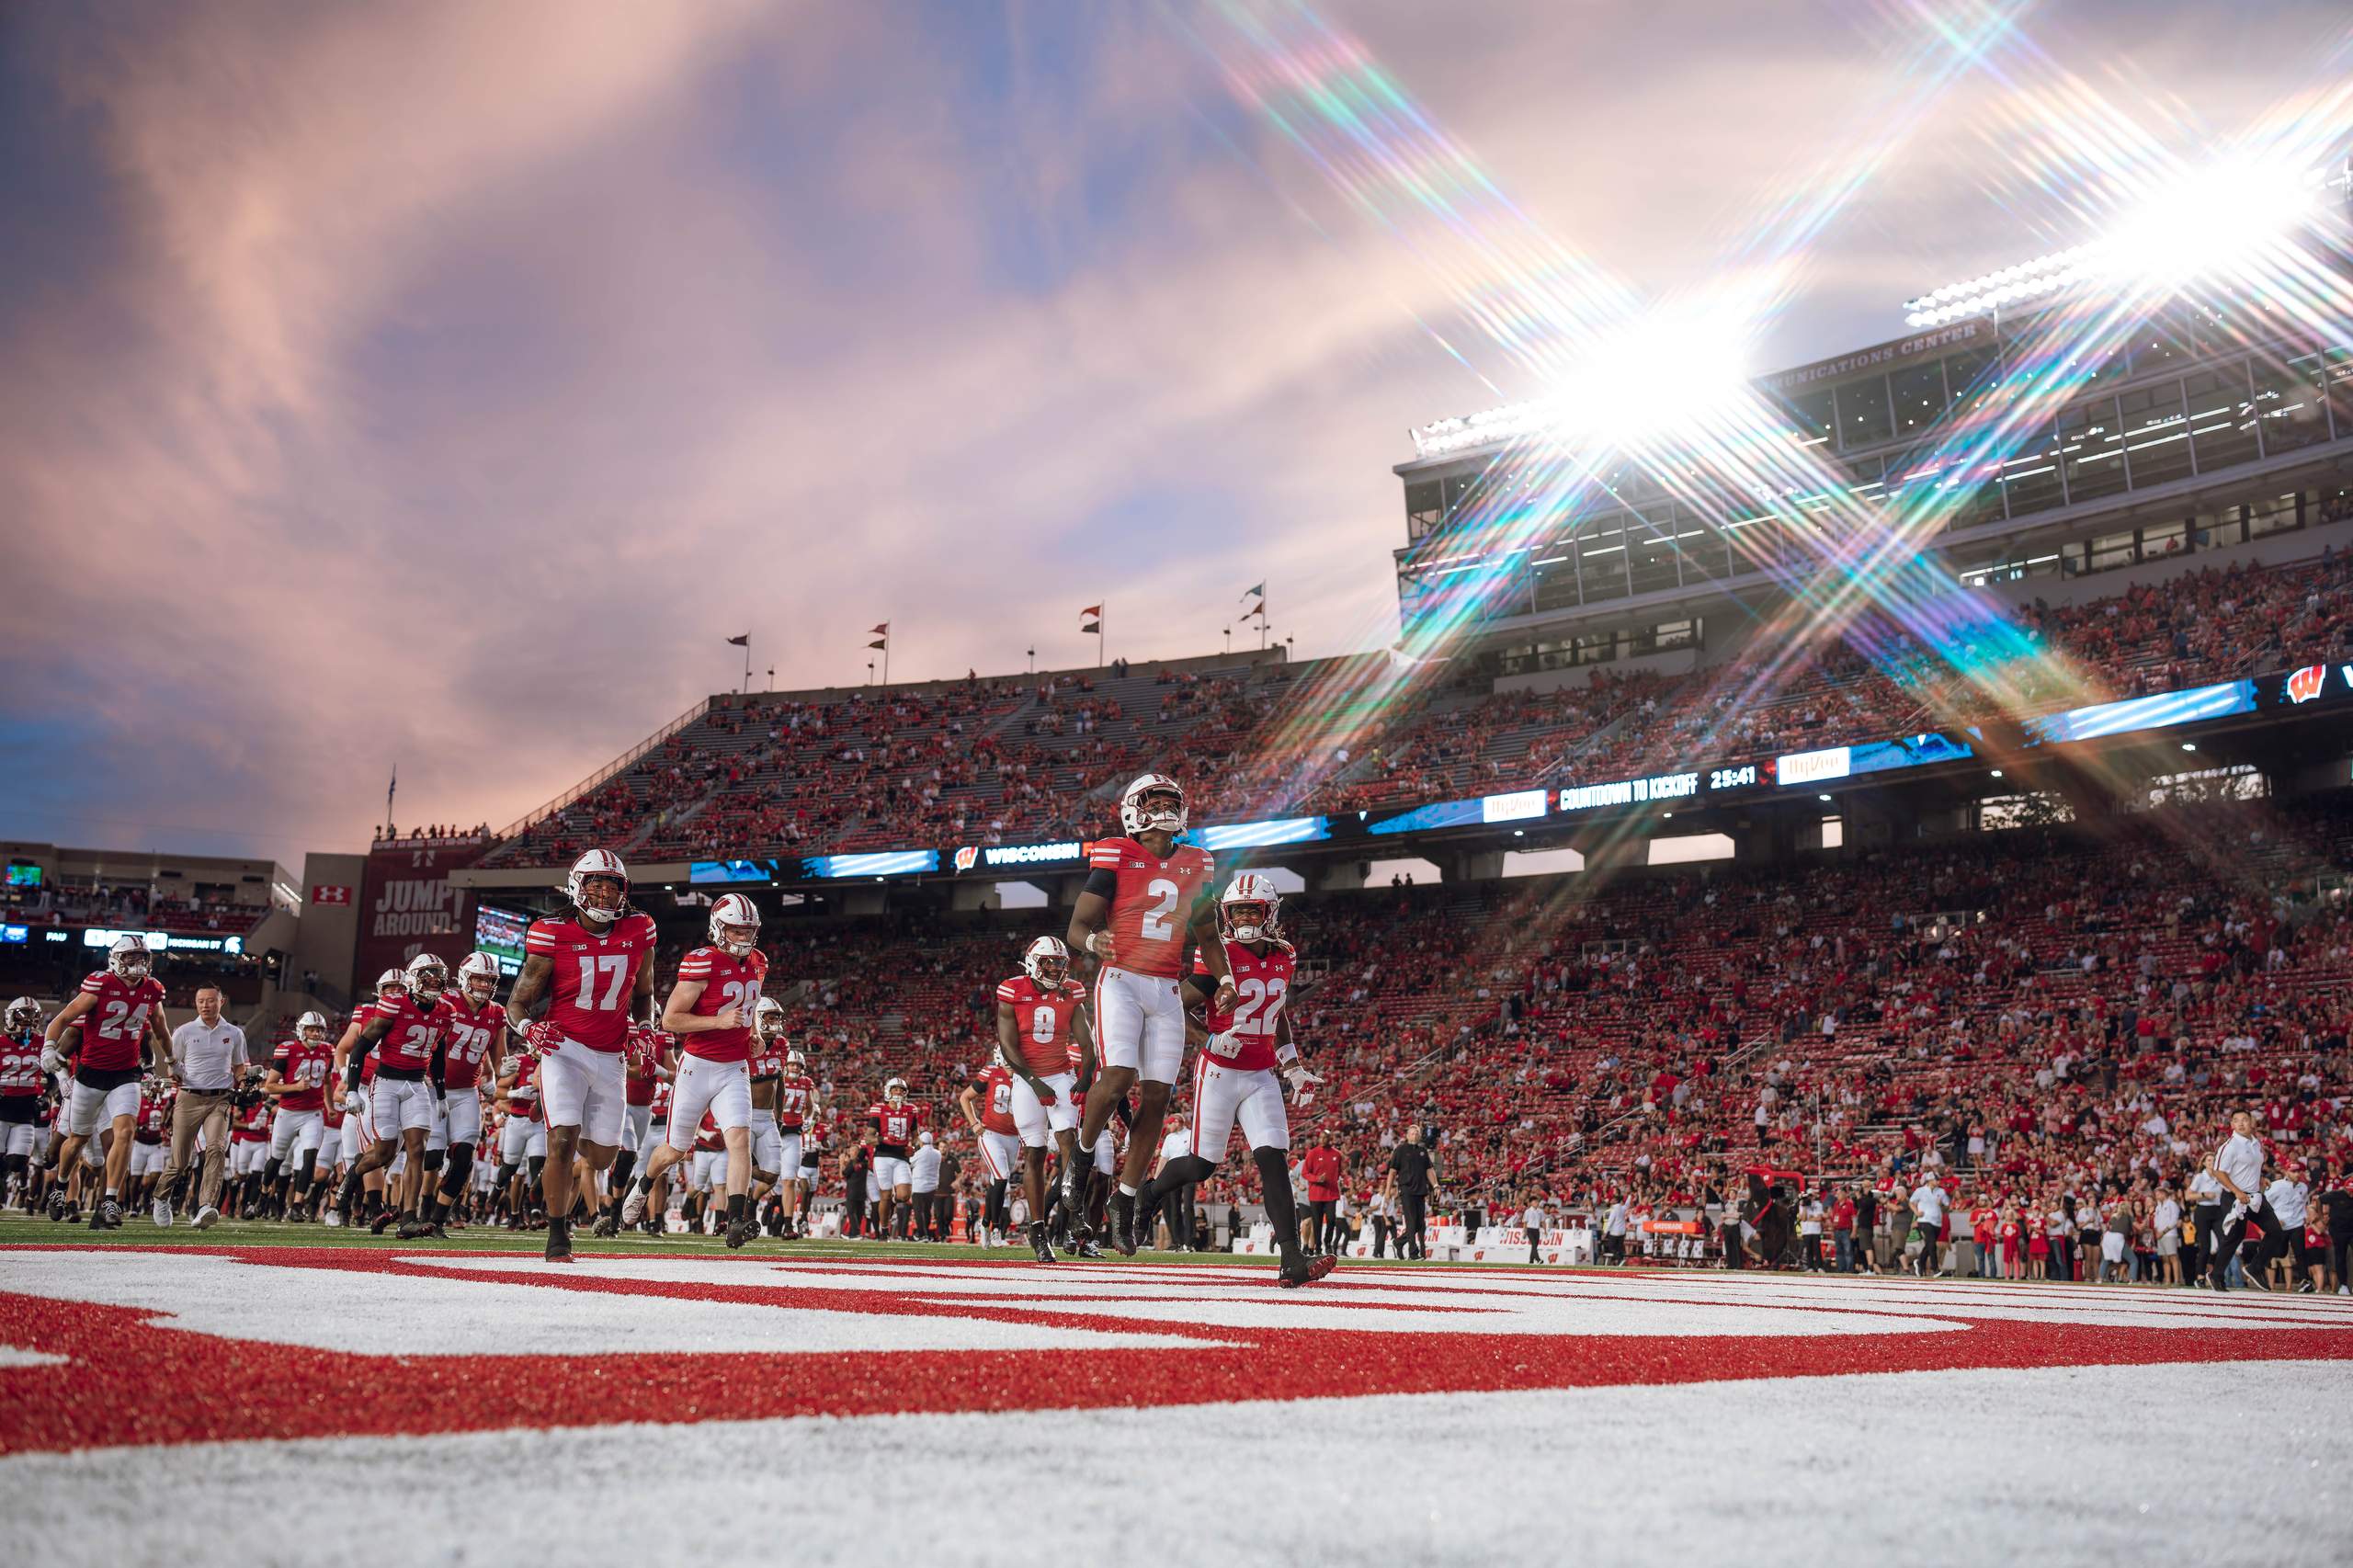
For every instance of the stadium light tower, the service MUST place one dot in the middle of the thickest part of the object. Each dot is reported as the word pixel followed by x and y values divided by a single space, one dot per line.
pixel 2213 221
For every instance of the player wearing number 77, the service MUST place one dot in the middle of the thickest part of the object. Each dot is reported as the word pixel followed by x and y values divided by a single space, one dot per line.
pixel 594 969
pixel 1234 1076
pixel 1146 896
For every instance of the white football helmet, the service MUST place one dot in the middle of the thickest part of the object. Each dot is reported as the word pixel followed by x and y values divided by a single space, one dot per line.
pixel 391 980
pixel 426 978
pixel 129 959
pixel 1248 907
pixel 1135 818
pixel 312 1028
pixel 478 978
pixel 794 1062
pixel 895 1090
pixel 1046 962
pixel 599 863
pixel 24 1014
pixel 738 911
pixel 768 1018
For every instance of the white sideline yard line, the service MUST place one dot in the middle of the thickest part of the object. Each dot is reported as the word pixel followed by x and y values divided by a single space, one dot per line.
pixel 2057 1468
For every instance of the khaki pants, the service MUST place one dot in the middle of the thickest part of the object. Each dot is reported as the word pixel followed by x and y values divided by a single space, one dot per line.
pixel 207 1108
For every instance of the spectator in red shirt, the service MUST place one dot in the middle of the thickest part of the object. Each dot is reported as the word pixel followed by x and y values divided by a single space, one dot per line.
pixel 1321 1168
pixel 1842 1231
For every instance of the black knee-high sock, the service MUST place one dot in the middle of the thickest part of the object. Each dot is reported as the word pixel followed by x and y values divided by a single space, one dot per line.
pixel 1274 1180
pixel 1172 1175
pixel 993 1212
pixel 623 1163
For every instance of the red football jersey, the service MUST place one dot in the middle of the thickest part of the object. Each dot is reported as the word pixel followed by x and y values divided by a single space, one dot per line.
pixel 253 1125
pixel 793 1098
pixel 996 1100
pixel 20 1073
pixel 661 1100
pixel 594 977
pixel 708 1139
pixel 727 982
pixel 767 1060
pixel 154 1113
pixel 1261 984
pixel 523 1094
pixel 895 1125
pixel 412 1035
pixel 644 1055
pixel 306 1065
pixel 1043 1022
pixel 1153 902
pixel 472 1032
pixel 115 1025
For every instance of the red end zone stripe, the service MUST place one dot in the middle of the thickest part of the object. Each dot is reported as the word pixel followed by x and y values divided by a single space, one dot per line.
pixel 131 1382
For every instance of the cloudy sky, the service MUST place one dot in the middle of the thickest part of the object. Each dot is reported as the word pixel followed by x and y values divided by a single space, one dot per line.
pixel 438 385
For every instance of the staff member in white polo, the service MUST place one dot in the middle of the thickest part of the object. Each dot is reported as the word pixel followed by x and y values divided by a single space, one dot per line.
pixel 923 1183
pixel 208 1060
pixel 1928 1203
pixel 2238 1166
pixel 1533 1221
pixel 1176 1203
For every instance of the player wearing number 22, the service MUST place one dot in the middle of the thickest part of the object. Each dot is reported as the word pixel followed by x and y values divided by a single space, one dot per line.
pixel 1146 896
pixel 1235 1079
pixel 594 968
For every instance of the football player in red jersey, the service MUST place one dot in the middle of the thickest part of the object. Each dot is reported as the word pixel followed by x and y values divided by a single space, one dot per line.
pixel 766 1067
pixel 1235 1078
pixel 988 1104
pixel 475 1044
pixel 403 1036
pixel 595 970
pixel 127 1033
pixel 1045 1041
pixel 523 1140
pixel 895 1125
pixel 712 1009
pixel 1146 895
pixel 297 1080
pixel 22 1083
pixel 796 1108
pixel 648 1059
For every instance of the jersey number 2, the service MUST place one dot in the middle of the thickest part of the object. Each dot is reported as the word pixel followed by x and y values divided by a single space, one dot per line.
pixel 1154 924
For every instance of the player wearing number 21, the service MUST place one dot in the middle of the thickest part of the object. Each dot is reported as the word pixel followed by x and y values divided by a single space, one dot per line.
pixel 594 969
pixel 1146 897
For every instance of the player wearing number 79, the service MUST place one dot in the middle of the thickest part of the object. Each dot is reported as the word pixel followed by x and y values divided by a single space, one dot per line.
pixel 594 969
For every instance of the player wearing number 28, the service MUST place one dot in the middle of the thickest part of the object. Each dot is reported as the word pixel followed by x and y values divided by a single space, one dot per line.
pixel 594 967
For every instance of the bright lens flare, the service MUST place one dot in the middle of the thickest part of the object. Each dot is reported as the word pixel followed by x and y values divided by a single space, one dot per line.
pixel 2217 221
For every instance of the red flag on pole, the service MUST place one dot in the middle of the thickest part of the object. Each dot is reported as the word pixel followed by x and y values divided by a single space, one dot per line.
pixel 1091 609
pixel 884 629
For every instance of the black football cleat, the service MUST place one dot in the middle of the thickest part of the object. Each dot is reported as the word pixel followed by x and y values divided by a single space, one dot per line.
pixel 1123 1224
pixel 383 1221
pixel 418 1230
pixel 1040 1245
pixel 738 1232
pixel 1087 1248
pixel 108 1217
pixel 559 1240
pixel 1300 1269
pixel 609 1223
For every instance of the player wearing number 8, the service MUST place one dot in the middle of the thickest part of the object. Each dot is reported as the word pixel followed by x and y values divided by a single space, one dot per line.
pixel 593 969
pixel 1146 897
pixel 1043 1040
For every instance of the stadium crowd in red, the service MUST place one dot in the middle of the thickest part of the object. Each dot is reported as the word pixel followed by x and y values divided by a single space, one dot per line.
pixel 990 761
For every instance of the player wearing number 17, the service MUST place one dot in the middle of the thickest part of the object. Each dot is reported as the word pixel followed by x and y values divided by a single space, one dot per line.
pixel 1146 896
pixel 594 968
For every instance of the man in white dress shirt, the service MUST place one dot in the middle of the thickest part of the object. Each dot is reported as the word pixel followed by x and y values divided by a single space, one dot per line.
pixel 2238 1166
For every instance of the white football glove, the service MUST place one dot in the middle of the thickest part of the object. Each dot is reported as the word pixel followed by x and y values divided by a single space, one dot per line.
pixel 52 1061
pixel 1299 1077
pixel 353 1105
